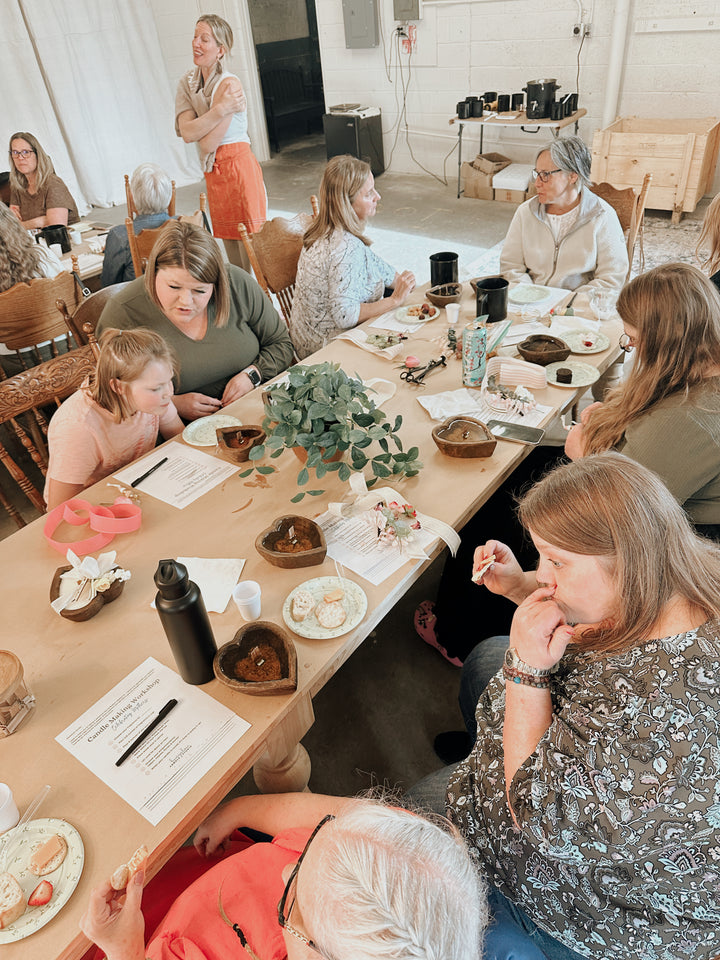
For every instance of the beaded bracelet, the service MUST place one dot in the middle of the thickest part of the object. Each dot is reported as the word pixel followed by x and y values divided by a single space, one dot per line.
pixel 526 679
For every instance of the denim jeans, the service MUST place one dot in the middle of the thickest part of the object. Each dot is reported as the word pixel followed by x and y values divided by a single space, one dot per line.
pixel 511 935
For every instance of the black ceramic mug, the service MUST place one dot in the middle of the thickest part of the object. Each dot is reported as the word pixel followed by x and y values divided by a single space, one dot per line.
pixel 517 101
pixel 477 107
pixel 557 111
pixel 443 268
pixel 463 110
pixel 503 102
pixel 57 233
pixel 491 298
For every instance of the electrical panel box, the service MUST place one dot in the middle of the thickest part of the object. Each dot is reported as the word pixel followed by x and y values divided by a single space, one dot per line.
pixel 361 23
pixel 407 9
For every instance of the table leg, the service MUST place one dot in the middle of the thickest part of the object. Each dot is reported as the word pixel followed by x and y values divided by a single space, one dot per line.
pixel 460 131
pixel 285 765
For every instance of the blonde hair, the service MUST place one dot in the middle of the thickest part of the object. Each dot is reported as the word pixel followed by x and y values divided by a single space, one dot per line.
pixel 676 311
pixel 124 354
pixel 221 30
pixel 610 507
pixel 195 250
pixel 44 164
pixel 710 237
pixel 343 177
pixel 388 883
pixel 20 256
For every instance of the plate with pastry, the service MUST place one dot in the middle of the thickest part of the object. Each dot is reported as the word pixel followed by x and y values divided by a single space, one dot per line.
pixel 325 607
pixel 417 313
pixel 43 861
pixel 571 373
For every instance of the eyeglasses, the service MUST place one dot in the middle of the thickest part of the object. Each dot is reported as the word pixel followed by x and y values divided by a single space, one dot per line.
pixel 283 917
pixel 21 153
pixel 627 343
pixel 544 175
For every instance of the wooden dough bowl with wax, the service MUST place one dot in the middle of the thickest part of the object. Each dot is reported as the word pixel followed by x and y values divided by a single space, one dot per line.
pixel 464 438
pixel 444 294
pixel 79 613
pixel 543 349
pixel 236 442
pixel 292 542
pixel 260 660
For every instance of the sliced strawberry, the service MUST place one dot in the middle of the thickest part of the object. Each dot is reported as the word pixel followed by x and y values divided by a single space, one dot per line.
pixel 41 894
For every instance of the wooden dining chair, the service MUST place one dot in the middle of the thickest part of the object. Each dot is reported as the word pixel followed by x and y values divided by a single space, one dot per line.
pixel 629 204
pixel 48 382
pixel 132 209
pixel 274 252
pixel 29 316
pixel 141 244
pixel 84 319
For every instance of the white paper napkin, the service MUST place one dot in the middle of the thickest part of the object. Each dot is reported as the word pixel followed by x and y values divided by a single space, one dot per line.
pixel 216 579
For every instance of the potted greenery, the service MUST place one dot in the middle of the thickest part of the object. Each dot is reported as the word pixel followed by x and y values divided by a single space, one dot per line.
pixel 323 414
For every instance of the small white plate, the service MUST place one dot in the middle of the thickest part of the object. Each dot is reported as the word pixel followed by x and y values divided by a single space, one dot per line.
pixel 355 602
pixel 574 339
pixel 21 844
pixel 583 374
pixel 528 293
pixel 403 316
pixel 380 390
pixel 201 433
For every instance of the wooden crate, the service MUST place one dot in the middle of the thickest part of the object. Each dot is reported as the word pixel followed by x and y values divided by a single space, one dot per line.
pixel 680 154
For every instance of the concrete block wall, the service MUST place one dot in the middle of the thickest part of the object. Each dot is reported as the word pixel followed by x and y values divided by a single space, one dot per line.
pixel 469 47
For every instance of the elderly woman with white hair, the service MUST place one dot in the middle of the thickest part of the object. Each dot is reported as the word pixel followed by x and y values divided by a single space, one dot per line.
pixel 151 189
pixel 341 880
pixel 566 236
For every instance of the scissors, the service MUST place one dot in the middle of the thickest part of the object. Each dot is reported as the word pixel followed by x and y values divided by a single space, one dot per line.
pixel 418 374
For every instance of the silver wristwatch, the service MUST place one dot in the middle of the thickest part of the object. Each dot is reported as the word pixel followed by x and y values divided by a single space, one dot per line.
pixel 254 376
pixel 513 662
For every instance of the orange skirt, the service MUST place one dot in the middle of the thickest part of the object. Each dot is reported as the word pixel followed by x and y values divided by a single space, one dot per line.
pixel 236 192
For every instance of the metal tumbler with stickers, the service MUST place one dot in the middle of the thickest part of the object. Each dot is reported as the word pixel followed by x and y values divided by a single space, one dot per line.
pixel 474 350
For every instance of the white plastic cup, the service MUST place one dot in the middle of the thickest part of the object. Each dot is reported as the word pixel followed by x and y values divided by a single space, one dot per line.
pixel 9 813
pixel 247 598
pixel 76 237
pixel 56 249
pixel 452 311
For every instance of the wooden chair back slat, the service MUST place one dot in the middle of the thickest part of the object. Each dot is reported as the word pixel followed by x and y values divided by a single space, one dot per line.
pixel 629 205
pixel 141 244
pixel 88 311
pixel 28 314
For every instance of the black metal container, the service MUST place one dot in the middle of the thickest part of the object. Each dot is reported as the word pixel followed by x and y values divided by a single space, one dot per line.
pixel 540 96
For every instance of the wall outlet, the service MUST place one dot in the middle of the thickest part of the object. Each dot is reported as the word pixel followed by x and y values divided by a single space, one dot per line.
pixel 581 29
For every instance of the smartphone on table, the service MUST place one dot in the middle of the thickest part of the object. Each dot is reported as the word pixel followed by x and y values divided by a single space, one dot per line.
pixel 517 432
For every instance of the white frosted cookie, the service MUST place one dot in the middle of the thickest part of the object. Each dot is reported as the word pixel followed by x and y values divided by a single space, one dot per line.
pixel 330 615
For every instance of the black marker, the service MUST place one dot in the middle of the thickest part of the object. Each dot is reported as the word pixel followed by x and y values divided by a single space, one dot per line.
pixel 148 730
pixel 148 472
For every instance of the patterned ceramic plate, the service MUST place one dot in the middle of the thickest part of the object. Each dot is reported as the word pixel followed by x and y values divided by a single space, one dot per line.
pixel 528 293
pixel 575 339
pixel 404 316
pixel 583 374
pixel 201 433
pixel 355 603
pixel 20 846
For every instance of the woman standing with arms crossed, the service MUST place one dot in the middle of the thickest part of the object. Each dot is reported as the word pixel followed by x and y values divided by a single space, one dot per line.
pixel 211 110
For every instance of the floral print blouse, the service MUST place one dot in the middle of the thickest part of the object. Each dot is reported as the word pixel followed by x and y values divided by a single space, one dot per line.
pixel 335 275
pixel 618 851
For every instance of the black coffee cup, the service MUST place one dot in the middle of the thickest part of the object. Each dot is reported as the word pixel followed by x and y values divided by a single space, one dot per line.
pixel 463 110
pixel 503 102
pixel 557 111
pixel 57 233
pixel 443 268
pixel 491 298
pixel 517 101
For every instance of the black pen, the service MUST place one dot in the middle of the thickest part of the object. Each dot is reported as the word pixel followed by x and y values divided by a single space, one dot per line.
pixel 147 473
pixel 148 730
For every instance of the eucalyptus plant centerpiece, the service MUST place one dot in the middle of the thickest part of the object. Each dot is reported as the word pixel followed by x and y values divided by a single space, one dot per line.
pixel 323 414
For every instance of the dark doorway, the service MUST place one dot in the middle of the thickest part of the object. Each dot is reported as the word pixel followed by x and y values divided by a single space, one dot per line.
pixel 288 55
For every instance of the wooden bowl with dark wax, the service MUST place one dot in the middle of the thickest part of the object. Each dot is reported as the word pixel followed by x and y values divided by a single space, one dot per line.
pixel 236 442
pixel 465 438
pixel 260 660
pixel 292 542
pixel 543 349
pixel 444 294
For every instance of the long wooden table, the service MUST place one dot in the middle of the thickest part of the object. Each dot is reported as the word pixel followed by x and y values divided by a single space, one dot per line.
pixel 69 666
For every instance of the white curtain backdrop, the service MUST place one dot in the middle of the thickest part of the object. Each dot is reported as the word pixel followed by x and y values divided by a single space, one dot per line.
pixel 87 78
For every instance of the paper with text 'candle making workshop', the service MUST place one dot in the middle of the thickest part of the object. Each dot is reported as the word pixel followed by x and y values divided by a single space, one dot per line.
pixel 173 758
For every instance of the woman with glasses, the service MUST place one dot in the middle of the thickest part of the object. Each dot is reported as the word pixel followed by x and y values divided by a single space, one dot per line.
pixel 38 197
pixel 566 236
pixel 363 882
pixel 340 281
pixel 666 414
